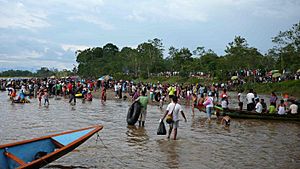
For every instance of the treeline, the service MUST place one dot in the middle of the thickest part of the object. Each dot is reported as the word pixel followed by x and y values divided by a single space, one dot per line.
pixel 147 59
pixel 43 72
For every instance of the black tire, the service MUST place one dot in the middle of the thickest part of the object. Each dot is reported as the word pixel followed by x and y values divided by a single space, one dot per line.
pixel 133 113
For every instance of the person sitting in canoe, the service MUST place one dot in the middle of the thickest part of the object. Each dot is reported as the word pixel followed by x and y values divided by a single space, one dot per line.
pixel 224 103
pixel 281 108
pixel 258 106
pixel 293 109
pixel 264 105
pixel 272 108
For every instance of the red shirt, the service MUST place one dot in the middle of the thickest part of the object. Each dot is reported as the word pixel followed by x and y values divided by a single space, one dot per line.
pixel 70 86
pixel 223 95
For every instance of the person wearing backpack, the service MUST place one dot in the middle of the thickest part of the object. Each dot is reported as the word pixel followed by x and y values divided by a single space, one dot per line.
pixel 172 111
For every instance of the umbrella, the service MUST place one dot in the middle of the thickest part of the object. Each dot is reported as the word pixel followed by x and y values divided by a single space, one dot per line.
pixel 298 71
pixel 275 75
pixel 106 77
pixel 234 77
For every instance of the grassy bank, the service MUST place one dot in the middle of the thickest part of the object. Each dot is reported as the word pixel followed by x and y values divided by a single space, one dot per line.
pixel 290 87
pixel 175 79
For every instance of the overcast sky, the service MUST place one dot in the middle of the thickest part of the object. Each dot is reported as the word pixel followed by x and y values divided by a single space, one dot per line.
pixel 35 34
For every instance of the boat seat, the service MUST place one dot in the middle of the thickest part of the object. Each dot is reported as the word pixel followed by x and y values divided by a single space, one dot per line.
pixel 15 158
pixel 56 143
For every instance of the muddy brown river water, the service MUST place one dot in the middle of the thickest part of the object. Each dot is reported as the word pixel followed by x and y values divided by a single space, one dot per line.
pixel 248 143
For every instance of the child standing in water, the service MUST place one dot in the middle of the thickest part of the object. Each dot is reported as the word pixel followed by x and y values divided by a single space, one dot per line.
pixel 195 103
pixel 40 95
pixel 225 121
pixel 103 95
pixel 46 98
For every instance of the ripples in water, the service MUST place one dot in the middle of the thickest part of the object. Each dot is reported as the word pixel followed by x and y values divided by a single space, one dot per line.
pixel 247 144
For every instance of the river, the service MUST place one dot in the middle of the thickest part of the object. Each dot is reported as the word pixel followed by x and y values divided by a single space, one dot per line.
pixel 248 143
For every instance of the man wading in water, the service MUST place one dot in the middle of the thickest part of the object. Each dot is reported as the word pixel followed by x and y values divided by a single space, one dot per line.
pixel 174 108
pixel 144 102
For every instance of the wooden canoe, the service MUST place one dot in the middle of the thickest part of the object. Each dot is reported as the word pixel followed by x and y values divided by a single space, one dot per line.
pixel 38 152
pixel 253 115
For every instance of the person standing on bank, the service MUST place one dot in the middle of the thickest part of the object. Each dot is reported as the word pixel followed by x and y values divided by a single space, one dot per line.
pixel 143 99
pixel 174 108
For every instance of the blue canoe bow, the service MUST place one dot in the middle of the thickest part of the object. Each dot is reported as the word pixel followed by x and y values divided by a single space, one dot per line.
pixel 38 152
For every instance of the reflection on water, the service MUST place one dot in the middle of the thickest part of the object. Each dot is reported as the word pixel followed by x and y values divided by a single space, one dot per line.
pixel 248 143
pixel 137 136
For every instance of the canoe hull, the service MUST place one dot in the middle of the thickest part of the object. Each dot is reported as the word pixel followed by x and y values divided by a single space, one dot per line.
pixel 252 115
pixel 62 146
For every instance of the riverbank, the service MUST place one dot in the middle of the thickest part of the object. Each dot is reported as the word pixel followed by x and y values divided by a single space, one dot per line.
pixel 291 87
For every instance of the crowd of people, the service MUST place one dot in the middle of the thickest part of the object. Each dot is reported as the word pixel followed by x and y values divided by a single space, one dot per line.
pixel 286 105
pixel 207 98
pixel 243 76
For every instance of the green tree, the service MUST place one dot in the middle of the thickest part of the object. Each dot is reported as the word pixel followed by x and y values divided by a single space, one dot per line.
pixel 44 72
pixel 131 61
pixel 240 55
pixel 287 48
pixel 90 62
pixel 151 57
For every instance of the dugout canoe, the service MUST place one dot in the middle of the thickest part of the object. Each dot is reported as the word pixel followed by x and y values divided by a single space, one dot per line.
pixel 253 115
pixel 38 152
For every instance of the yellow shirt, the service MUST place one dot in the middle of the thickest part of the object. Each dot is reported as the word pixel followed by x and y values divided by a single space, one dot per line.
pixel 171 90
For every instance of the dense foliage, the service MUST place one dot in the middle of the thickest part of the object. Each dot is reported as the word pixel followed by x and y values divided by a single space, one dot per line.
pixel 147 59
pixel 43 72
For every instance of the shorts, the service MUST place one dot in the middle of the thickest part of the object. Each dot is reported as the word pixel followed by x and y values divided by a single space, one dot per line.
pixel 143 114
pixel 175 124
pixel 227 123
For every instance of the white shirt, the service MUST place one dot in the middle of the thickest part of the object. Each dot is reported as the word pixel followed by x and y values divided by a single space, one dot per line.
pixel 258 107
pixel 294 109
pixel 281 110
pixel 224 104
pixel 241 97
pixel 133 88
pixel 250 97
pixel 176 110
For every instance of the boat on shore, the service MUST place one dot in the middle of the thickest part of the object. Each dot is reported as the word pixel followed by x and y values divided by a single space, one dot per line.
pixel 234 113
pixel 38 152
